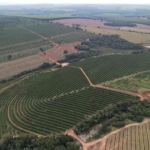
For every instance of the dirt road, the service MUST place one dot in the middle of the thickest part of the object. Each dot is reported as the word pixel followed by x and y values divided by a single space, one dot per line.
pixel 102 141
pixel 108 88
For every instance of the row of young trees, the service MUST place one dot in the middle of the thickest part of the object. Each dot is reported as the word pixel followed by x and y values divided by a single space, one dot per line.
pixel 115 115
pixel 45 65
pixel 111 41
pixel 29 142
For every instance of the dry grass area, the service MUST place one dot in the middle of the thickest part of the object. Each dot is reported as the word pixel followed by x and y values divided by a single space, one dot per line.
pixel 14 67
pixel 130 36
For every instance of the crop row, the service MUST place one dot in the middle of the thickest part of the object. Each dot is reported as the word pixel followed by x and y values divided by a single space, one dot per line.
pixel 46 116
pixel 106 68
pixel 132 138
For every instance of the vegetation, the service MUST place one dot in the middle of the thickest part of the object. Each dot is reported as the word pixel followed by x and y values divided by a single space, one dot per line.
pixel 78 36
pixel 23 49
pixel 115 115
pixel 136 83
pixel 45 65
pixel 78 56
pixel 101 70
pixel 50 29
pixel 131 138
pixel 134 37
pixel 29 142
pixel 112 41
pixel 120 23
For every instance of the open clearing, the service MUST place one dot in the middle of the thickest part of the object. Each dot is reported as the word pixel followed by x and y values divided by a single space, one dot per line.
pixel 129 36
pixel 57 52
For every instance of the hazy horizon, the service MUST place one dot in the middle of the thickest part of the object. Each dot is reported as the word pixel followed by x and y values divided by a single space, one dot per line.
pixel 10 2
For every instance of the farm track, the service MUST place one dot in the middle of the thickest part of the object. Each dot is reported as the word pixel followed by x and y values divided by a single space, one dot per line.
pixel 49 39
pixel 108 88
pixel 102 141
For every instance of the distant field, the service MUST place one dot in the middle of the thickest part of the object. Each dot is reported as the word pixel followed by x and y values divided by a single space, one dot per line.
pixel 130 36
pixel 132 138
pixel 10 68
pixel 50 29
pixel 53 102
pixel 135 83
pixel 79 36
pixel 107 68
pixel 46 16
pixel 118 17
pixel 15 35
pixel 23 49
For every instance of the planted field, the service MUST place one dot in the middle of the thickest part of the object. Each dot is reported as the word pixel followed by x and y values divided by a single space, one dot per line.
pixel 15 35
pixel 50 29
pixel 53 102
pixel 132 138
pixel 23 49
pixel 78 36
pixel 129 36
pixel 136 83
pixel 27 15
pixel 106 68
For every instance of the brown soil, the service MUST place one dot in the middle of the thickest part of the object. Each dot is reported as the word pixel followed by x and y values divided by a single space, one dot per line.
pixel 142 26
pixel 102 142
pixel 94 23
pixel 85 22
pixel 56 53
pixel 146 95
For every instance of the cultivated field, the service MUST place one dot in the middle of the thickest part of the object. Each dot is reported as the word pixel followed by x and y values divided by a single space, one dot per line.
pixel 101 70
pixel 42 95
pixel 132 138
pixel 8 69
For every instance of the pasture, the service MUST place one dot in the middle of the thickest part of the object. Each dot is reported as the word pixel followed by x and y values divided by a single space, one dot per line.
pixel 131 138
pixel 134 37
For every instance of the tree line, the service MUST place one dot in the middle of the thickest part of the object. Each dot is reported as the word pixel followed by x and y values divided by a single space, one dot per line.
pixel 111 41
pixel 78 56
pixel 30 142
pixel 120 23
pixel 115 115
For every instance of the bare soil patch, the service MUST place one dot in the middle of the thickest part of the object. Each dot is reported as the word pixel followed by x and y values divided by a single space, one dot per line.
pixel 146 95
pixel 142 26
pixel 57 52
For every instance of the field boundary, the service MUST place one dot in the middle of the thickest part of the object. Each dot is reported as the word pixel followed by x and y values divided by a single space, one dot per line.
pixel 108 88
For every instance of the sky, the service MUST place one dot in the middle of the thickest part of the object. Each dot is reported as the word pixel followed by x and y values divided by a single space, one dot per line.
pixel 76 1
